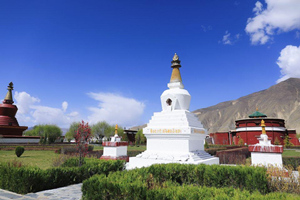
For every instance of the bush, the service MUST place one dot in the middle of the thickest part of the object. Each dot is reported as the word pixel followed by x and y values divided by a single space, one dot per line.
pixel 101 187
pixel 90 148
pixel 32 179
pixel 233 156
pixel 162 182
pixel 137 182
pixel 19 151
pixel 293 162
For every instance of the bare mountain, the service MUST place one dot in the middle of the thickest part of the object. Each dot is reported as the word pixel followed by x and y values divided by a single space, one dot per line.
pixel 281 101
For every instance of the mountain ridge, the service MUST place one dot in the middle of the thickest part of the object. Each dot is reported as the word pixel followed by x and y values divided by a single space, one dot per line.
pixel 280 101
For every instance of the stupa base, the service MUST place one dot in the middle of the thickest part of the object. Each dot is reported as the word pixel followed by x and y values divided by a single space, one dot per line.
pixel 13 139
pixel 147 159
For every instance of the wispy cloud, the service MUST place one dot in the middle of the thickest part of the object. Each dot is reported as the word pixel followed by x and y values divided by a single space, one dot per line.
pixel 229 40
pixel 279 16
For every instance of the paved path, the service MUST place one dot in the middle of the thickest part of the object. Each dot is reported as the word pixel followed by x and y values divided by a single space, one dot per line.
pixel 71 192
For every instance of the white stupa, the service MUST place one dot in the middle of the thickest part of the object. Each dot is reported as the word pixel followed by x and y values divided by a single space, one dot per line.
pixel 174 135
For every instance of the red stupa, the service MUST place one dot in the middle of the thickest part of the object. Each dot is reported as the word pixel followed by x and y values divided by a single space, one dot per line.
pixel 10 131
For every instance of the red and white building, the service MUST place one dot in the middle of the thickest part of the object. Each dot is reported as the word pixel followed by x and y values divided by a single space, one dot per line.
pixel 249 130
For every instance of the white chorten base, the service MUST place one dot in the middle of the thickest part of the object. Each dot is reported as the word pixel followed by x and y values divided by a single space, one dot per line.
pixel 184 148
pixel 266 159
pixel 266 154
pixel 147 159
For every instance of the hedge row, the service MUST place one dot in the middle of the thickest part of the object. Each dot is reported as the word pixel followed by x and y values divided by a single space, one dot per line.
pixel 32 179
pixel 101 187
pixel 294 162
pixel 234 156
pixel 137 181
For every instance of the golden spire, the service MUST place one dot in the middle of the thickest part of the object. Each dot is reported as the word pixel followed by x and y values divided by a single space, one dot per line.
pixel 175 77
pixel 263 127
pixel 116 129
pixel 8 98
pixel 256 108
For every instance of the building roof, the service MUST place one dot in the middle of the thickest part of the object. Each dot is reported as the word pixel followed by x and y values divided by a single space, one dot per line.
pixel 257 114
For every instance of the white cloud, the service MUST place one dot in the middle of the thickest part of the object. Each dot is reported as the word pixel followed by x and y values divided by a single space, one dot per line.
pixel 64 106
pixel 289 62
pixel 116 109
pixel 279 16
pixel 30 113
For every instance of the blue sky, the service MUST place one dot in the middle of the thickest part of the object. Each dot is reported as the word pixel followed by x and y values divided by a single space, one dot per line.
pixel 110 60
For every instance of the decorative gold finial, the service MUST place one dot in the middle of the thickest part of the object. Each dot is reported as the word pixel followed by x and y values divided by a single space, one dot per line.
pixel 8 98
pixel 263 126
pixel 256 108
pixel 175 57
pixel 116 129
pixel 175 77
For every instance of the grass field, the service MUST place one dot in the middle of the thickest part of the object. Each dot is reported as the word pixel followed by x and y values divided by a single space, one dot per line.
pixel 291 153
pixel 42 159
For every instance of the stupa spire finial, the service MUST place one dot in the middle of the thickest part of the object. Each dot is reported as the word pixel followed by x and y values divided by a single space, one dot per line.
pixel 175 77
pixel 116 129
pixel 263 127
pixel 8 98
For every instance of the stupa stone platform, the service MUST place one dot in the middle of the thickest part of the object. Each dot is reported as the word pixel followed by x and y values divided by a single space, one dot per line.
pixel 174 135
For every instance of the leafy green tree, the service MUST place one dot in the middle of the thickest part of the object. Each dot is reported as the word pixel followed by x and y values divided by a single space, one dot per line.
pixel 101 129
pixel 72 131
pixel 48 133
pixel 140 137
pixel 287 142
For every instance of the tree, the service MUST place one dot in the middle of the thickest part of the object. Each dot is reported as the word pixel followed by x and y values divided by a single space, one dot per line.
pixel 277 142
pixel 72 131
pixel 241 142
pixel 140 137
pixel 101 129
pixel 82 139
pixel 48 133
pixel 287 142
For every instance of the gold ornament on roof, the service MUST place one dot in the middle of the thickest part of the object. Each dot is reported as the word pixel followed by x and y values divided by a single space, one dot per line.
pixel 263 126
pixel 116 129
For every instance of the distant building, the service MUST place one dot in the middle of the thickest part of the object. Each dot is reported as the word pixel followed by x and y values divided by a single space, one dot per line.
pixel 130 135
pixel 249 130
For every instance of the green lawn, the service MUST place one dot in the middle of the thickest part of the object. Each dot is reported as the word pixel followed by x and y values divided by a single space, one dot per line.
pixel 291 153
pixel 42 159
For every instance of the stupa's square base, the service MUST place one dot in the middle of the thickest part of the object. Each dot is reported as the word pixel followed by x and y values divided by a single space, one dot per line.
pixel 147 159
pixel 266 159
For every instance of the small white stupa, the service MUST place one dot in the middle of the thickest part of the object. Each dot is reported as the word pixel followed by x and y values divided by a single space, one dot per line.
pixel 174 135
pixel 264 153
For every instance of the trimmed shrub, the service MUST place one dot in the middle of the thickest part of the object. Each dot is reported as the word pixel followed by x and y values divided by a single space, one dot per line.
pixel 90 148
pixel 177 181
pixel 101 187
pixel 293 162
pixel 135 184
pixel 19 151
pixel 24 180
pixel 233 156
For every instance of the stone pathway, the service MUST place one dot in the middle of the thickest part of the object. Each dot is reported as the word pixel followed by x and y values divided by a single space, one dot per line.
pixel 71 192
